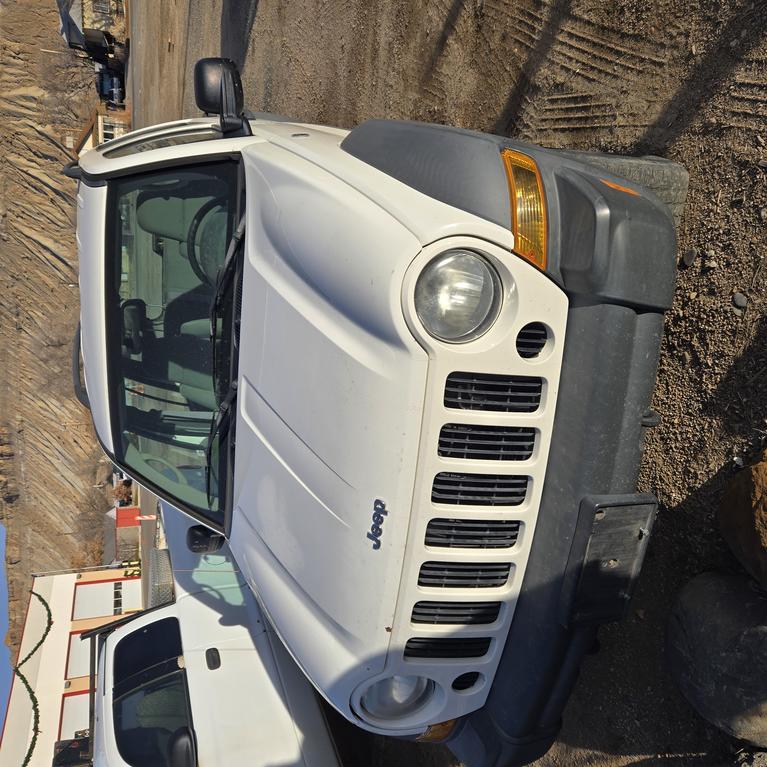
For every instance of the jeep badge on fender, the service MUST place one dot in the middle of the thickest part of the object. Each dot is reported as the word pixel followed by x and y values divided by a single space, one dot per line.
pixel 379 512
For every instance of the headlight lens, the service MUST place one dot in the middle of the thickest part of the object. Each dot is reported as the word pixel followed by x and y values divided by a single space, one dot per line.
pixel 397 696
pixel 457 296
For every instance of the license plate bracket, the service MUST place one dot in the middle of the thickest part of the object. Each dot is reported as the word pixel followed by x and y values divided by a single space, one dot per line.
pixel 618 529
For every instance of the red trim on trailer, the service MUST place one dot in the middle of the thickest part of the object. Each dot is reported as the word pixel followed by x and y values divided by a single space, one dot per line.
pixel 109 580
pixel 96 583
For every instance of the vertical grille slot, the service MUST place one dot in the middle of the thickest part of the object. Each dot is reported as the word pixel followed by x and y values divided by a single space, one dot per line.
pixel 472 534
pixel 456 613
pixel 486 443
pixel 479 489
pixel 469 647
pixel 531 340
pixel 486 391
pixel 464 575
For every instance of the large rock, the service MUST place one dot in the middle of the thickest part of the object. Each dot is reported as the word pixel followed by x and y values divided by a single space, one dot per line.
pixel 716 647
pixel 755 759
pixel 743 518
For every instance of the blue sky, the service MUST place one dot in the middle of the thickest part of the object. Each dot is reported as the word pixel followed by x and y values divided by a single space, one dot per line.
pixel 5 656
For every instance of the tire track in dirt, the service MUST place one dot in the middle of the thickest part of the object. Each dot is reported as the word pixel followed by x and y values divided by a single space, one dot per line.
pixel 570 112
pixel 581 47
pixel 574 82
pixel 747 107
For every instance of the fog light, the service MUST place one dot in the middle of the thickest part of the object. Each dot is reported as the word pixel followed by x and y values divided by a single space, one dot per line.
pixel 397 696
pixel 438 732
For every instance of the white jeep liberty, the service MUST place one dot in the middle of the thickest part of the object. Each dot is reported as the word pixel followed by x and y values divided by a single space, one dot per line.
pixel 405 371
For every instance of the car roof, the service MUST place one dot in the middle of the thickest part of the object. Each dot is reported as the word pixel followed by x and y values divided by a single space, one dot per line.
pixel 158 145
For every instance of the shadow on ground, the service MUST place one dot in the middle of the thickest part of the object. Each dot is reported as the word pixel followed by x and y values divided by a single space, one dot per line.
pixel 621 688
pixel 708 77
pixel 237 19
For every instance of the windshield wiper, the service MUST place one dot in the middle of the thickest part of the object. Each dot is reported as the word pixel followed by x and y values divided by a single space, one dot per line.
pixel 223 414
pixel 223 279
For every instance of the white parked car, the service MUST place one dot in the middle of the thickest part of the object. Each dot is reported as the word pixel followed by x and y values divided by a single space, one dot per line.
pixel 201 680
pixel 405 371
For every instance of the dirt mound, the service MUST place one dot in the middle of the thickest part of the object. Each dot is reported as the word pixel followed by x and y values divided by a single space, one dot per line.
pixel 48 455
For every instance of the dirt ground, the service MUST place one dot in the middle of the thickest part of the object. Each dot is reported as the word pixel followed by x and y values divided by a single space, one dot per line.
pixel 49 459
pixel 685 80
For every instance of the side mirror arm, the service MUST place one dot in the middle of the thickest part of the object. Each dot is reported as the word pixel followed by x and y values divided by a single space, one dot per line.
pixel 230 120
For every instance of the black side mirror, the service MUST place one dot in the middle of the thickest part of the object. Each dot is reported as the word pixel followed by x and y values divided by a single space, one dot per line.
pixel 218 91
pixel 203 540
pixel 182 751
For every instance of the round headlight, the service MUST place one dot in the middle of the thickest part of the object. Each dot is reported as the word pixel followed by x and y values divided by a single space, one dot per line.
pixel 457 296
pixel 397 696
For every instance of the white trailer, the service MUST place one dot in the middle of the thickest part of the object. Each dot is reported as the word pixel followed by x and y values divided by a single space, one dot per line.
pixel 201 680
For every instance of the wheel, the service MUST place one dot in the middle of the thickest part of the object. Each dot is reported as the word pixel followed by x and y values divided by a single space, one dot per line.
pixel 667 180
pixel 191 240
pixel 160 578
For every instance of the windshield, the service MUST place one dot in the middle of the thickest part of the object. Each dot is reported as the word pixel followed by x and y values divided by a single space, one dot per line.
pixel 171 234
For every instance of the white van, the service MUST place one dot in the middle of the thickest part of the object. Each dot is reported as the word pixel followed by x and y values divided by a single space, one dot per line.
pixel 405 371
pixel 201 681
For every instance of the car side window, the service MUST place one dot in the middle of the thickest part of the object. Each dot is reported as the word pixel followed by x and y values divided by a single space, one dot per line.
pixel 146 647
pixel 150 699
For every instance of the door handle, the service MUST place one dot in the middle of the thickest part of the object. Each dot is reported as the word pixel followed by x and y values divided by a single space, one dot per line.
pixel 213 658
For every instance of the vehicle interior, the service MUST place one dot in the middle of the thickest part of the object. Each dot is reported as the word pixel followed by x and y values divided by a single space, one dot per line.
pixel 173 235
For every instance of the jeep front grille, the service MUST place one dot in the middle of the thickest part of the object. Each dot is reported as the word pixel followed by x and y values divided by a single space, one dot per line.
pixel 486 443
pixel 482 452
pixel 472 533
pixel 499 393
pixel 479 489
pixel 465 647
pixel 464 575
pixel 456 613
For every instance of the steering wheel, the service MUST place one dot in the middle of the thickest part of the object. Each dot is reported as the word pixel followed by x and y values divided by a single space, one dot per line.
pixel 151 460
pixel 191 239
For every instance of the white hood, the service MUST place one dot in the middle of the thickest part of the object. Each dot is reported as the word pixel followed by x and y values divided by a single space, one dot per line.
pixel 332 385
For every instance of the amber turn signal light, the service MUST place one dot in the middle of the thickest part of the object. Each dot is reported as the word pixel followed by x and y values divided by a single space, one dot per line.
pixel 438 732
pixel 528 207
